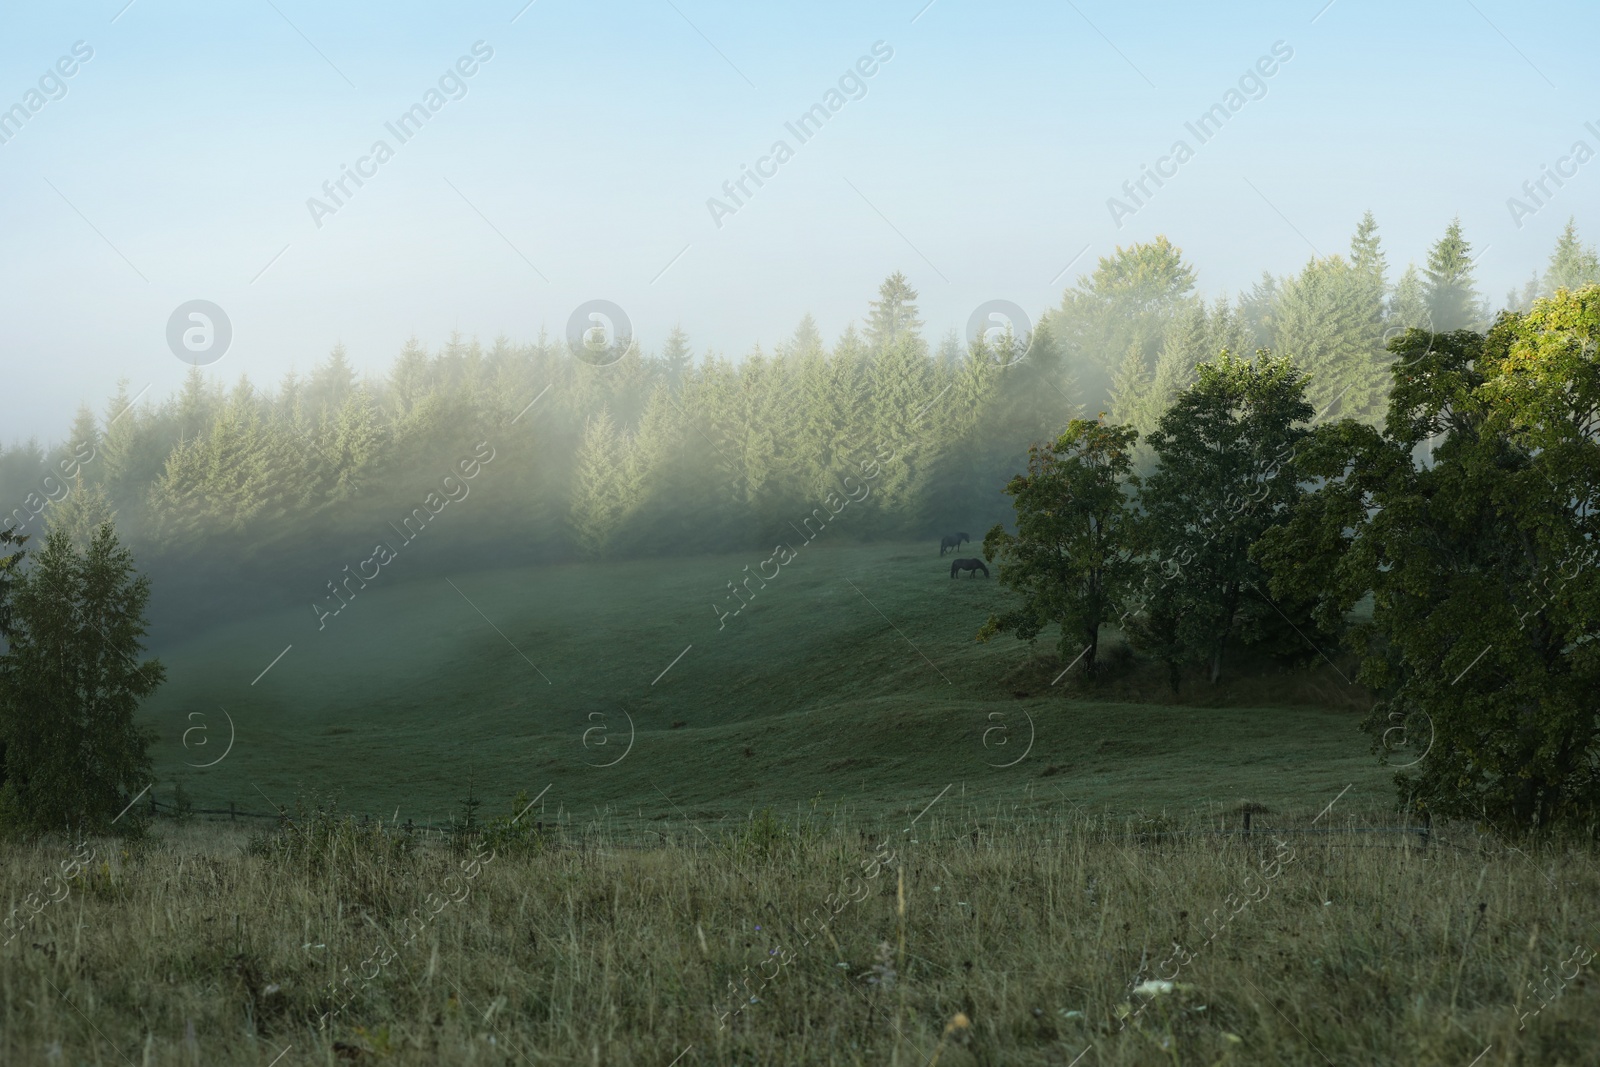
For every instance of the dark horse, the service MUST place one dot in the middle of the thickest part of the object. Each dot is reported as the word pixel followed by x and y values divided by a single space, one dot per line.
pixel 973 565
pixel 952 542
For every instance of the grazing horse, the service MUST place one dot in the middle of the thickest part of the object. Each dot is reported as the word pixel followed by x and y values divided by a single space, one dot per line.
pixel 973 565
pixel 952 542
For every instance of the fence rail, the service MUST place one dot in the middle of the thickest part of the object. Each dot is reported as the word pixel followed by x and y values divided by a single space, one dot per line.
pixel 1422 830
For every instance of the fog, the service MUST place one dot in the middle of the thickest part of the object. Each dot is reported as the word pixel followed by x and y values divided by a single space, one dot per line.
pixel 581 161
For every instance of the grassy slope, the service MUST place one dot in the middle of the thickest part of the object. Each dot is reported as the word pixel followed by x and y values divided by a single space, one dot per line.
pixel 816 687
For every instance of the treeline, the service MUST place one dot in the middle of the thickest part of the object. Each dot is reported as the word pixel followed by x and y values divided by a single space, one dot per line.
pixel 669 453
pixel 1466 520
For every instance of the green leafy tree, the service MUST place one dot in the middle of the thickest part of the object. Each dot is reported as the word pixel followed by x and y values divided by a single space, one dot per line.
pixel 1225 452
pixel 1071 558
pixel 1481 563
pixel 1125 305
pixel 70 683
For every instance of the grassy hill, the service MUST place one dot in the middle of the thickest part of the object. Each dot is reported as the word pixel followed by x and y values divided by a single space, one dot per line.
pixel 851 679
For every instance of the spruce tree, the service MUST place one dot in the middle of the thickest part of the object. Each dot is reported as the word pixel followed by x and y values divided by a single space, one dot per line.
pixel 1449 293
pixel 806 340
pixel 894 314
pixel 1329 321
pixel 1571 264
pixel 11 554
pixel 1366 254
pixel 676 357
pixel 70 683
pixel 600 490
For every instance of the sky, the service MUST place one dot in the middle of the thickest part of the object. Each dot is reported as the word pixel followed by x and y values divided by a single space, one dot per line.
pixel 576 162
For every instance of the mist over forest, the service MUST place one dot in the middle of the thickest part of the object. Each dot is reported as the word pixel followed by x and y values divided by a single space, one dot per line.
pixel 235 493
pixel 697 533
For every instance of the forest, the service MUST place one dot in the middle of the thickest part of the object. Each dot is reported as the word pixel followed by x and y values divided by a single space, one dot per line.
pixel 674 452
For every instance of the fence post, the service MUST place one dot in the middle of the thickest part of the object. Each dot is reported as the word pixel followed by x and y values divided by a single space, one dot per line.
pixel 1247 820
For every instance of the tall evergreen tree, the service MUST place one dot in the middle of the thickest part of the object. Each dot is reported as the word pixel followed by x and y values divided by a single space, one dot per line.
pixel 1408 304
pixel 893 316
pixel 805 341
pixel 1572 264
pixel 1366 254
pixel 1450 294
pixel 601 492
pixel 70 683
pixel 332 381
pixel 1329 321
pixel 11 554
pixel 676 357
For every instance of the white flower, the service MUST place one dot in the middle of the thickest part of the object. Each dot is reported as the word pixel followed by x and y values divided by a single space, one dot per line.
pixel 1153 987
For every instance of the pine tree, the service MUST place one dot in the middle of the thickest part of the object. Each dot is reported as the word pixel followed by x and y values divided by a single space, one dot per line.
pixel 1366 254
pixel 357 444
pixel 599 493
pixel 1450 294
pixel 1571 264
pixel 11 554
pixel 70 683
pixel 1522 301
pixel 1408 305
pixel 952 350
pixel 806 340
pixel 1255 307
pixel 82 512
pixel 1329 321
pixel 411 377
pixel 196 406
pixel 676 357
pixel 894 314
pixel 1130 388
pixel 128 459
pixel 331 382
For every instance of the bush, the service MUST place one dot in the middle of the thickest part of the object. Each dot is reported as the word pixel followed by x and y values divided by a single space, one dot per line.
pixel 515 834
pixel 320 838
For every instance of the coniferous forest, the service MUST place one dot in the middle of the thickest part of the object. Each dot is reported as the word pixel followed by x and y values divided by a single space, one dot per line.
pixel 915 534
pixel 669 451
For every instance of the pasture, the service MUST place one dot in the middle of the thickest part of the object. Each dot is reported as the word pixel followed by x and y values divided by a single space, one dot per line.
pixel 853 676
pixel 830 842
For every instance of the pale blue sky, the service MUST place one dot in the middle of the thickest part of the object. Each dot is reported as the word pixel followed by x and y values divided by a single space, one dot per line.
pixel 979 162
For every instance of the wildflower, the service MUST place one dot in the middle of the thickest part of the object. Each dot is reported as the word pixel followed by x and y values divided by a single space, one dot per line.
pixel 1153 987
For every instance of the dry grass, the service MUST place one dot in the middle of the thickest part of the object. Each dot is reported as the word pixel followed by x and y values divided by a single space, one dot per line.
pixel 190 949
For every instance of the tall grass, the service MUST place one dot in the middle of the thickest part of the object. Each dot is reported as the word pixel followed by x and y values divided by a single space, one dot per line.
pixel 972 936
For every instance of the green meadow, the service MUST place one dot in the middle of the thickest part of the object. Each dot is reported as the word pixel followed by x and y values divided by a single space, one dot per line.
pixel 851 681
